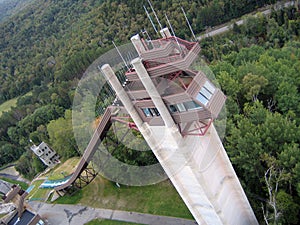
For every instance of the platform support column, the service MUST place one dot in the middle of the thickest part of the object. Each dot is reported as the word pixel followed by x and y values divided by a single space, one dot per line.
pixel 137 43
pixel 124 98
pixel 165 33
pixel 153 93
pixel 122 95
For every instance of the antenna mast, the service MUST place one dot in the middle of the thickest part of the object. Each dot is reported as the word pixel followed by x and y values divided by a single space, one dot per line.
pixel 120 55
pixel 155 15
pixel 173 32
pixel 188 24
pixel 149 17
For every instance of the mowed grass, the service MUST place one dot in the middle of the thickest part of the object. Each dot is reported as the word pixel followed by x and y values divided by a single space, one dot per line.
pixel 109 222
pixel 64 169
pixel 38 193
pixel 56 173
pixel 158 199
pixel 23 185
pixel 6 106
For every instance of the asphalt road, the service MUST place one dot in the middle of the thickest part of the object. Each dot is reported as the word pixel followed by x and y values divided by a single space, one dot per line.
pixel 11 173
pixel 59 214
pixel 226 28
pixel 4 186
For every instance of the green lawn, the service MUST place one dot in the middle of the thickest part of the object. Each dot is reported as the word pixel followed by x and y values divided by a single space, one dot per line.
pixel 158 199
pixel 64 169
pixel 38 193
pixel 23 185
pixel 6 106
pixel 109 222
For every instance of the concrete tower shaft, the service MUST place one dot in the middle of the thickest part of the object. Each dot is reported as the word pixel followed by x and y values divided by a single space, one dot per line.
pixel 197 164
pixel 153 93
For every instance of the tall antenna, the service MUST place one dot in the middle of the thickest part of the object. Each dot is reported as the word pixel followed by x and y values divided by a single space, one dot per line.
pixel 146 32
pixel 148 38
pixel 155 15
pixel 120 55
pixel 149 17
pixel 188 24
pixel 173 33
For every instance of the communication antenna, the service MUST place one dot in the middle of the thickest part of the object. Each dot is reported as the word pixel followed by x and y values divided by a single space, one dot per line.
pixel 155 15
pixel 148 38
pixel 120 55
pixel 173 33
pixel 149 17
pixel 130 57
pixel 146 32
pixel 188 24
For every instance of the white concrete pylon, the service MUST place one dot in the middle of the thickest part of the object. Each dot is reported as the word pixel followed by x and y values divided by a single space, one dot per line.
pixel 122 95
pixel 124 98
pixel 153 93
pixel 137 43
pixel 157 100
pixel 165 33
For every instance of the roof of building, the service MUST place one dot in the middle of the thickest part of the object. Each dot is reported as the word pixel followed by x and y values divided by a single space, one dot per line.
pixel 24 220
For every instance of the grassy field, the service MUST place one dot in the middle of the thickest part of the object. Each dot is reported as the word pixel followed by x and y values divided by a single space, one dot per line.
pixel 64 169
pixel 59 172
pixel 158 199
pixel 23 185
pixel 38 193
pixel 109 222
pixel 6 106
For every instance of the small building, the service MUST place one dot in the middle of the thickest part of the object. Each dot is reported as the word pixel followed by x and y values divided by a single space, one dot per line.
pixel 22 215
pixel 48 156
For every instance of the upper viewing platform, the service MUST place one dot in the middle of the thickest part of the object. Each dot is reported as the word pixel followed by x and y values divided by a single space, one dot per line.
pixel 164 56
pixel 165 84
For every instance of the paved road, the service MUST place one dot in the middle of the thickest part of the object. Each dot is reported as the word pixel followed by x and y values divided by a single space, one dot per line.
pixel 5 186
pixel 11 173
pixel 226 28
pixel 59 214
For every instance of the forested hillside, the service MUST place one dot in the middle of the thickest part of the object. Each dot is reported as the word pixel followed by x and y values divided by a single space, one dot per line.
pixel 46 47
pixel 10 7
pixel 53 41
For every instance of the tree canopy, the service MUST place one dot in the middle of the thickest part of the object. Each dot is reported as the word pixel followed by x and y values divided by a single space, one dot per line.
pixel 46 47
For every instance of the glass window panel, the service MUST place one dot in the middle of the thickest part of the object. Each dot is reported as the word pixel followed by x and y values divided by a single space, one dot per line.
pixel 172 108
pixel 209 87
pixel 156 112
pixel 191 105
pixel 205 93
pixel 202 99
pixel 180 107
pixel 147 112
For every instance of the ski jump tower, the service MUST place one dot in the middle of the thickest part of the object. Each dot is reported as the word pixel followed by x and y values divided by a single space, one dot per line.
pixel 173 107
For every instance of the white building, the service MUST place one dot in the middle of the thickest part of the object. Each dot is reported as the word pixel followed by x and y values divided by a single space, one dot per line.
pixel 46 154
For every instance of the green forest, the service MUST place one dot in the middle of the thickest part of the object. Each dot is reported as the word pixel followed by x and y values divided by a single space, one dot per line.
pixel 47 46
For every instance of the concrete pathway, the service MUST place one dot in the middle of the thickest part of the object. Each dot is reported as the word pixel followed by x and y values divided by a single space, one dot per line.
pixel 59 214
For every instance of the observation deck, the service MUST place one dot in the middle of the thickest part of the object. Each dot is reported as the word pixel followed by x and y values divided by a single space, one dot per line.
pixel 172 65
